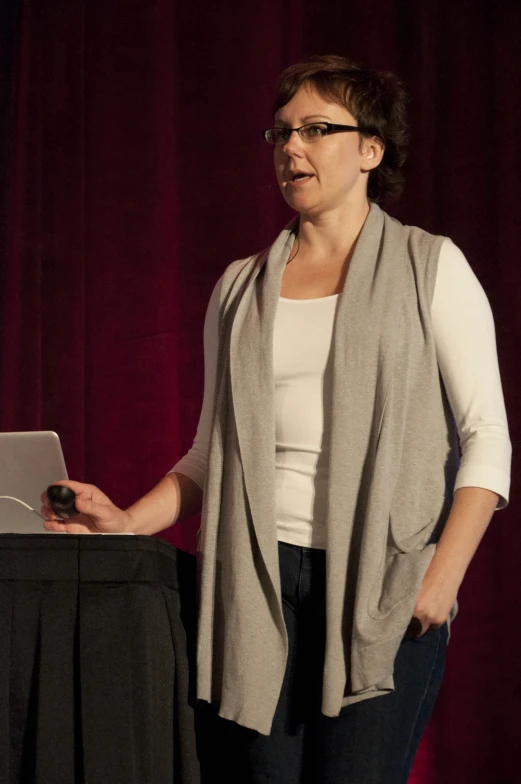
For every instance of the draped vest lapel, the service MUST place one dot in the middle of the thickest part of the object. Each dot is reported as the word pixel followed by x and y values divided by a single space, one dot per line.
pixel 364 350
pixel 252 392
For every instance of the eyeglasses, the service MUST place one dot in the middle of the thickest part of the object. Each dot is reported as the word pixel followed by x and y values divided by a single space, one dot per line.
pixel 311 132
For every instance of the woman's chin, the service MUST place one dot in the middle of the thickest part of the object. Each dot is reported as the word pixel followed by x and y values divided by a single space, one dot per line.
pixel 298 202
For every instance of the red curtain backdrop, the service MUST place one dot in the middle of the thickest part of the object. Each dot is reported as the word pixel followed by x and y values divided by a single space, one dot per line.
pixel 135 171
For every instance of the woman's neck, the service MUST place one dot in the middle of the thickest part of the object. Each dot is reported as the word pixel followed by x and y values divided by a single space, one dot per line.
pixel 332 235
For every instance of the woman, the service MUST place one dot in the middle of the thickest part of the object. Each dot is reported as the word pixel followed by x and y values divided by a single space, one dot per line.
pixel 338 522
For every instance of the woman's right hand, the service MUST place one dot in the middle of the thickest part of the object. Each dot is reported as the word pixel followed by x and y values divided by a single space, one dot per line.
pixel 97 513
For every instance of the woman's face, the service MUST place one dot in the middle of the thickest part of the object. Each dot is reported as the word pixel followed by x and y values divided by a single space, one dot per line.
pixel 338 165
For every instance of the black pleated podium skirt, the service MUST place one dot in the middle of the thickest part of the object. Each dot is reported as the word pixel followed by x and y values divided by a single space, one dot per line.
pixel 96 636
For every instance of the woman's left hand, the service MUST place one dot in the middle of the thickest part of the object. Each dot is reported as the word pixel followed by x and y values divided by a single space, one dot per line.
pixel 469 517
pixel 434 603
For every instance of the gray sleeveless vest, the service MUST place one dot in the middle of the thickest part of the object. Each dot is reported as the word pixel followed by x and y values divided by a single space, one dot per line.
pixel 393 462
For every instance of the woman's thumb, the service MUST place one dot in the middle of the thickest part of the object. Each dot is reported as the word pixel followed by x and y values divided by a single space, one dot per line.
pixel 93 509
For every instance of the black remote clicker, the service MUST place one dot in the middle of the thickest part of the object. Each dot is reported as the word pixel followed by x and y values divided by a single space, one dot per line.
pixel 62 500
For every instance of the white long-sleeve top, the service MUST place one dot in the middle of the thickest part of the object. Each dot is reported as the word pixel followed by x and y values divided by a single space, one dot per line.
pixel 464 335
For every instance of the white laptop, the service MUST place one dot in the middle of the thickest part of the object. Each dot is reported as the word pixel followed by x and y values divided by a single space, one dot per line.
pixel 29 463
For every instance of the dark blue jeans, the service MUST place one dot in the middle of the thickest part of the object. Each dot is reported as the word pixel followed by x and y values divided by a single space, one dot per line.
pixel 372 742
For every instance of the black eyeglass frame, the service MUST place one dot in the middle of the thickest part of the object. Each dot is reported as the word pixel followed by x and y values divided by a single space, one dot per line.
pixel 331 128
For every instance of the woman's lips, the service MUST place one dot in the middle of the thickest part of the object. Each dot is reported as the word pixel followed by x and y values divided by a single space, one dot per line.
pixel 299 181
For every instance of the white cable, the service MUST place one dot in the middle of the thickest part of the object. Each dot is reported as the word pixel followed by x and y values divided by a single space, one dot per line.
pixel 12 498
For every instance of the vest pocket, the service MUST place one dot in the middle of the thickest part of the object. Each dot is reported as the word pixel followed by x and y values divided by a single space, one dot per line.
pixel 407 534
pixel 399 580
pixel 405 560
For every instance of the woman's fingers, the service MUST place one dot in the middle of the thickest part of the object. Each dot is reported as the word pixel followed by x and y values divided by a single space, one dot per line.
pixel 81 490
pixel 97 513
pixel 78 528
pixel 53 525
pixel 86 527
pixel 89 500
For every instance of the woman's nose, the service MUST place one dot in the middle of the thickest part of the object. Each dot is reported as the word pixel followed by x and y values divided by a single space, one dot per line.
pixel 293 144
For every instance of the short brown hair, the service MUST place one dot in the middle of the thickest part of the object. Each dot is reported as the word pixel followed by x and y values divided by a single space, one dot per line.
pixel 377 101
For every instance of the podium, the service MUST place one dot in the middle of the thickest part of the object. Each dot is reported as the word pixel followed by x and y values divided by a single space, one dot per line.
pixel 96 660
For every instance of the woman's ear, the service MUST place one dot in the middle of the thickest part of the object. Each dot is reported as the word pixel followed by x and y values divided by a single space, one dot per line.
pixel 372 152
